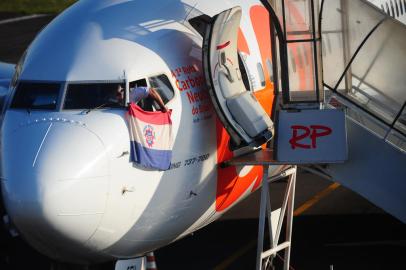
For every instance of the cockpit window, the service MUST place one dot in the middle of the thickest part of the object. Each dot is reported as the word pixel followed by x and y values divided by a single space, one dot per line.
pixel 94 95
pixel 41 96
pixel 163 86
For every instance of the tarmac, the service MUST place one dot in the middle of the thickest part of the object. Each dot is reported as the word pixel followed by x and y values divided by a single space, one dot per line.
pixel 339 230
pixel 333 227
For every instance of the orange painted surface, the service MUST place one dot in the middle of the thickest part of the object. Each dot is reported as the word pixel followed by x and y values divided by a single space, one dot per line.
pixel 230 186
pixel 265 98
pixel 242 44
pixel 260 22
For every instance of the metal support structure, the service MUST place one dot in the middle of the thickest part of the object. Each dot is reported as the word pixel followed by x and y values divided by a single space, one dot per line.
pixel 264 158
pixel 266 211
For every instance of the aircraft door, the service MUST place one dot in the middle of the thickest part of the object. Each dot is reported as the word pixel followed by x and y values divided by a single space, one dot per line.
pixel 239 111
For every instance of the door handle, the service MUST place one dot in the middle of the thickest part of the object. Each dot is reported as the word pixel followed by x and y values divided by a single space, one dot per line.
pixel 224 66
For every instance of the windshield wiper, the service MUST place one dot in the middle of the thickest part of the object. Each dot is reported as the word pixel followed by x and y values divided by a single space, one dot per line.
pixel 99 107
pixel 29 107
pixel 95 108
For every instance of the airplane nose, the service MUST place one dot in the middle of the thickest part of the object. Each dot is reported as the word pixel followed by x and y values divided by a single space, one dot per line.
pixel 55 184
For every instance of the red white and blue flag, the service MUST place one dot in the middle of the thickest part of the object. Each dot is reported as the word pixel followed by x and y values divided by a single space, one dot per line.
pixel 151 137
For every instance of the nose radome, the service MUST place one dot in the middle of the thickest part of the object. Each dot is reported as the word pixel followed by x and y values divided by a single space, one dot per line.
pixel 55 184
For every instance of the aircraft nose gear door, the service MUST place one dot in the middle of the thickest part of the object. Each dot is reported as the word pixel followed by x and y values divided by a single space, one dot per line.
pixel 239 111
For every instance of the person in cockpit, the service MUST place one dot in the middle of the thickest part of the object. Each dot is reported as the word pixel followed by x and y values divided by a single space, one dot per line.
pixel 142 92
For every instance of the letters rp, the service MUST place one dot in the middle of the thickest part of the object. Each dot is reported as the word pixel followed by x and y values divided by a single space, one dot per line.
pixel 314 131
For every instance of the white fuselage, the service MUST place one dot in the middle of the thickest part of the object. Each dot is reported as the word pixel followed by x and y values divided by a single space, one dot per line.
pixel 67 181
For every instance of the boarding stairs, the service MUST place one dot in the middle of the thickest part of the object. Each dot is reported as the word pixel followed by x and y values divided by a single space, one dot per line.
pixel 358 67
pixel 340 97
pixel 355 61
pixel 364 76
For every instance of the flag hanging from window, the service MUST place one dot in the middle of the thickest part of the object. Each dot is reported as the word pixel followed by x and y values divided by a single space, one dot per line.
pixel 151 137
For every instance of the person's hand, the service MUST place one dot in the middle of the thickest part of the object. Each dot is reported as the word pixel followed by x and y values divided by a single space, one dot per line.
pixel 164 109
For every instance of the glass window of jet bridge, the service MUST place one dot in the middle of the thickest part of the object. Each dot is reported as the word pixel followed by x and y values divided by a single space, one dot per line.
pixel 93 96
pixel 36 96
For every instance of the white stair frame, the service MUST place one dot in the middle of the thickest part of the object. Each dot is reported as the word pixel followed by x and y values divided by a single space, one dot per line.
pixel 266 212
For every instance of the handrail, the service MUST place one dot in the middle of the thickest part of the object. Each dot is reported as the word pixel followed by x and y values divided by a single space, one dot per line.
pixel 365 110
pixel 370 98
pixel 395 120
pixel 316 67
pixel 345 97
pixel 282 48
pixel 321 18
pixel 357 51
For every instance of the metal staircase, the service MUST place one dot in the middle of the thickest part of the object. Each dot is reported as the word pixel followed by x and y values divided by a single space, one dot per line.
pixel 347 56
pixel 340 91
pixel 365 77
pixel 339 76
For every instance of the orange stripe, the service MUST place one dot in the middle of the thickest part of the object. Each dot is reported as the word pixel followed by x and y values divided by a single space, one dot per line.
pixel 259 19
pixel 242 44
pixel 316 198
pixel 230 187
